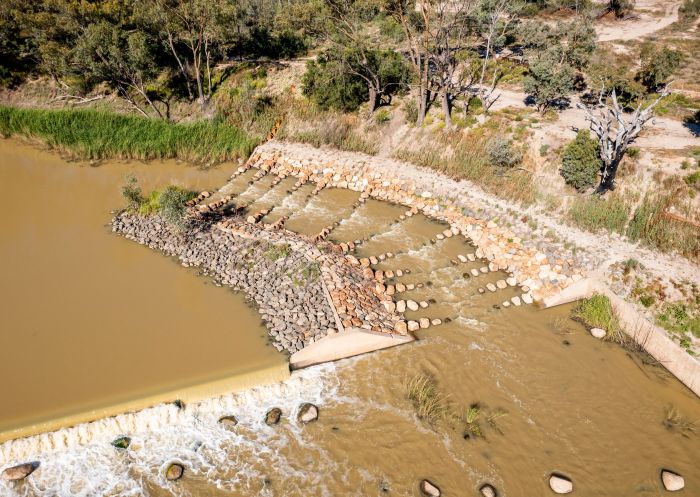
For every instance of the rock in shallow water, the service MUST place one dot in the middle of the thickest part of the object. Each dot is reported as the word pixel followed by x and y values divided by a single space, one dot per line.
pixel 273 416
pixel 598 332
pixel 174 472
pixel 672 481
pixel 20 472
pixel 429 489
pixel 560 484
pixel 307 413
pixel 488 490
pixel 228 421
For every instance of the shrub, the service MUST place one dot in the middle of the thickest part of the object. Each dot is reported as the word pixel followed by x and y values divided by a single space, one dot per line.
pixel 410 109
pixel 690 9
pixel 597 312
pixel 544 148
pixel 502 153
pixel 595 213
pixel 548 81
pixel 172 204
pixel 581 161
pixel 657 65
pixel 131 191
pixel 383 116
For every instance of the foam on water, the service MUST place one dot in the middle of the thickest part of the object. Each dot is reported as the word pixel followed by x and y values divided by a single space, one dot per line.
pixel 80 460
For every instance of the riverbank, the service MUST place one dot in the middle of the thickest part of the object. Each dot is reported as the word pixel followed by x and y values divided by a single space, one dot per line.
pixel 96 135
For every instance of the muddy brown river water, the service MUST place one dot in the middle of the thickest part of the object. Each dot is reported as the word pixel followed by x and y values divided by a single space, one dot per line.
pixel 88 317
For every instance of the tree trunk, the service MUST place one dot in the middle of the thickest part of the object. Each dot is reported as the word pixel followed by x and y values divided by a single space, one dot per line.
pixel 373 100
pixel 447 109
pixel 422 101
pixel 607 179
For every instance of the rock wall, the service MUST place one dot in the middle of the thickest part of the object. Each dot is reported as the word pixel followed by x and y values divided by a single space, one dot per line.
pixel 293 280
pixel 540 274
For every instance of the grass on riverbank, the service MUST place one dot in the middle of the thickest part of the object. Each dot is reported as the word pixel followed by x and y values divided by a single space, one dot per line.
pixel 597 312
pixel 93 134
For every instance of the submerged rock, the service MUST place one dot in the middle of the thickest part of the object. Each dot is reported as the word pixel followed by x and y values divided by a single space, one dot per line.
pixel 121 442
pixel 598 332
pixel 560 484
pixel 174 471
pixel 273 416
pixel 672 481
pixel 20 472
pixel 429 489
pixel 488 490
pixel 229 421
pixel 307 413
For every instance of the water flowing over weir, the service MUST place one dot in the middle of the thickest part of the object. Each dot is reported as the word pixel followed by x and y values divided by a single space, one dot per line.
pixel 551 397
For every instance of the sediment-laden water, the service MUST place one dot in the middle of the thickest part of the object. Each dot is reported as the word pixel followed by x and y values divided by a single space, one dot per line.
pixel 551 397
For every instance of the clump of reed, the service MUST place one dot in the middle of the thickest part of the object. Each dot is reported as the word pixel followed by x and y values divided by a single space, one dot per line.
pixel 464 155
pixel 306 123
pixel 674 421
pixel 430 405
pixel 95 134
pixel 168 202
pixel 594 213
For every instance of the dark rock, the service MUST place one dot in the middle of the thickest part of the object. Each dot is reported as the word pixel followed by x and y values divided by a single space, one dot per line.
pixel 174 471
pixel 20 472
pixel 273 416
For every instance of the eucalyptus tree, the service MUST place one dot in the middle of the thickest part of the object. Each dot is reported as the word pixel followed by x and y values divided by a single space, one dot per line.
pixel 361 53
pixel 194 32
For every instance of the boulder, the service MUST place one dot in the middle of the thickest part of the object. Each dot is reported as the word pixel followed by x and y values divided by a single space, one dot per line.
pixel 490 287
pixel 515 300
pixel 672 481
pixel 429 489
pixel 401 306
pixel 413 326
pixel 488 490
pixel 20 472
pixel 273 416
pixel 436 321
pixel 412 305
pixel 174 471
pixel 228 421
pixel 560 484
pixel 307 413
pixel 424 323
pixel 598 332
pixel 400 327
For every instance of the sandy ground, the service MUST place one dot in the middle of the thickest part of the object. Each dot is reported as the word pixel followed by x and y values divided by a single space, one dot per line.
pixel 651 16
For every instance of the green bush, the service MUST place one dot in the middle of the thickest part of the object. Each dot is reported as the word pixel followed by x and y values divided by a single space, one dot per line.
pixel 502 153
pixel 597 312
pixel 581 161
pixel 131 191
pixel 657 65
pixel 690 9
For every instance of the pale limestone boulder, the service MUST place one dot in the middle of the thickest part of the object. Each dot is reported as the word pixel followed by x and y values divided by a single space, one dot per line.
pixel 598 332
pixel 20 472
pixel 560 484
pixel 429 489
pixel 672 481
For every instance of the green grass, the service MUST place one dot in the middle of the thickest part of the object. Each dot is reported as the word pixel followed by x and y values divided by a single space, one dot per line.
pixel 597 312
pixel 278 251
pixel 429 403
pixel 651 227
pixel 594 213
pixel 94 134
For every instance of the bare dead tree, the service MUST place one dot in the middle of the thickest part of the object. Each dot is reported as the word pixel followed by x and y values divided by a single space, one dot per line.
pixel 616 131
pixel 495 17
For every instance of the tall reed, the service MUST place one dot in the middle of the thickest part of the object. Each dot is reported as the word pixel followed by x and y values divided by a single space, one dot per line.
pixel 94 134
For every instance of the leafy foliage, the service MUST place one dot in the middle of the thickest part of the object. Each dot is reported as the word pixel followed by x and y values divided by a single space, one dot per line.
pixel 581 161
pixel 657 65
pixel 548 81
pixel 502 153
